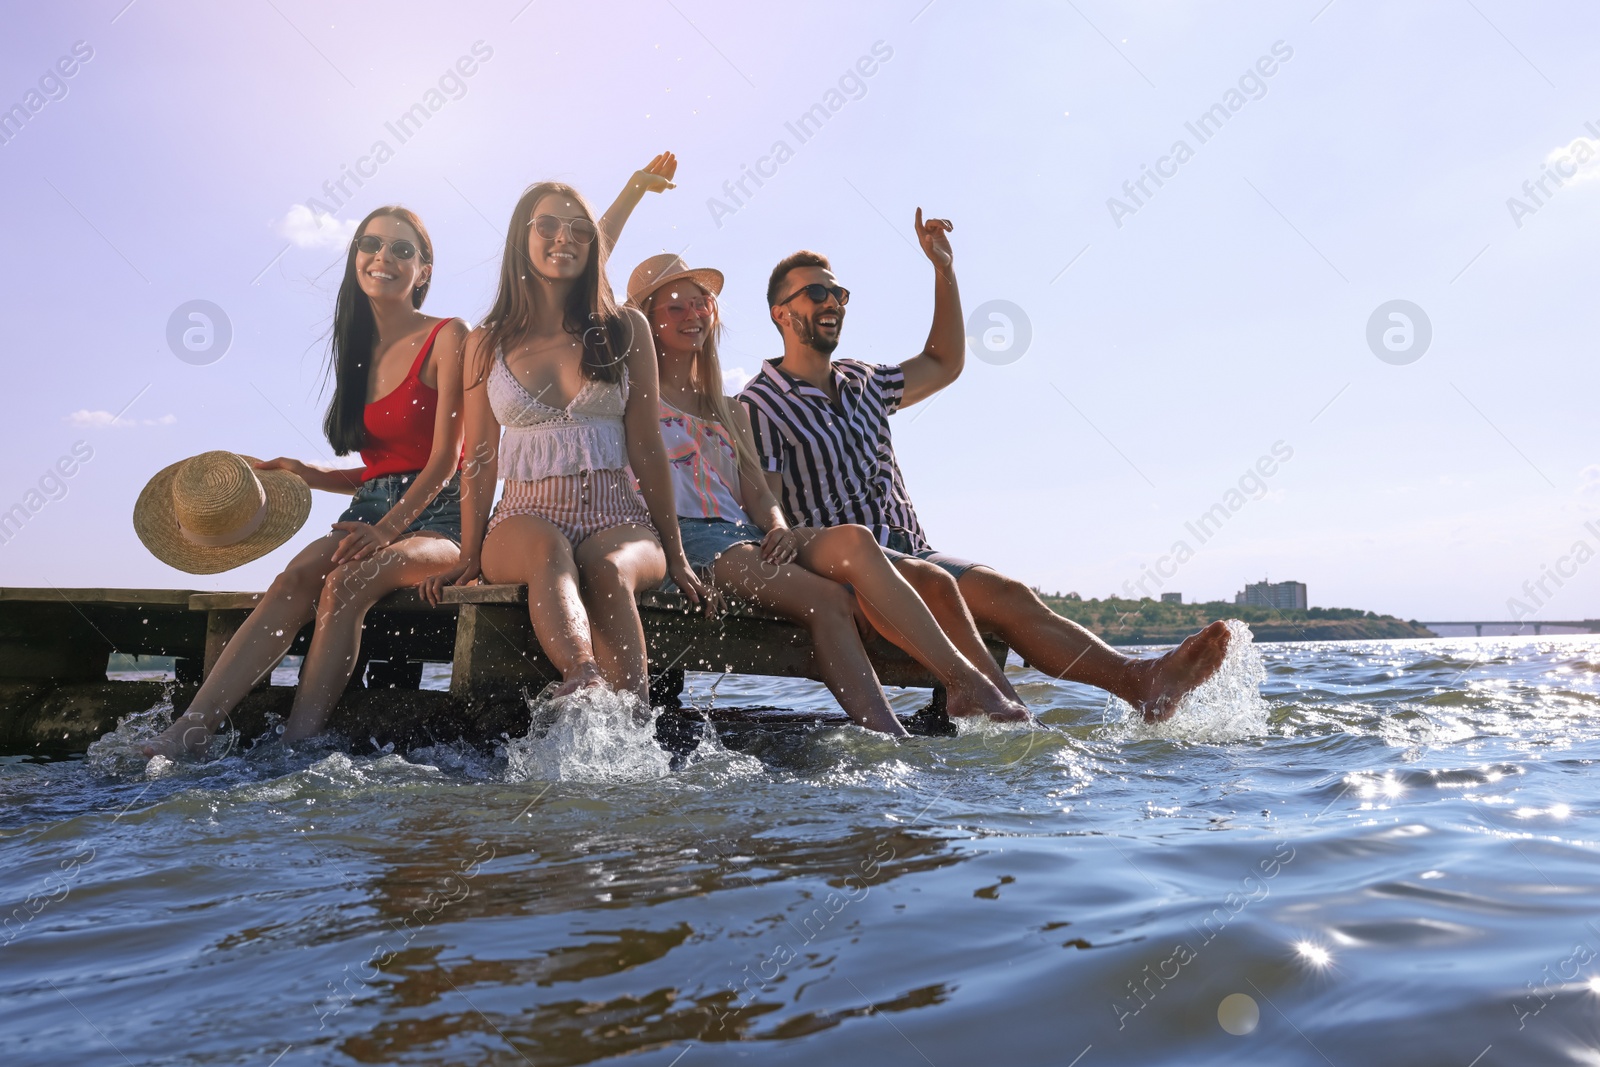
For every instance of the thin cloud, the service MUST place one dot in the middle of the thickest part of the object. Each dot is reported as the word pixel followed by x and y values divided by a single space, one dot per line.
pixel 85 417
pixel 315 229
pixel 734 379
pixel 1583 154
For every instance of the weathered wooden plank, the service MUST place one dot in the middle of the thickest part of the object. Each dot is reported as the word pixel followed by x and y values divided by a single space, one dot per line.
pixel 401 600
pixel 50 594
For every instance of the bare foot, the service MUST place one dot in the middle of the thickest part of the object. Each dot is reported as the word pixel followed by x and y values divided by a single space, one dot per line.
pixel 187 736
pixel 981 697
pixel 1165 681
pixel 586 676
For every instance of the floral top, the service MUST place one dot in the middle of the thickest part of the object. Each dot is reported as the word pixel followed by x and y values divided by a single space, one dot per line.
pixel 705 467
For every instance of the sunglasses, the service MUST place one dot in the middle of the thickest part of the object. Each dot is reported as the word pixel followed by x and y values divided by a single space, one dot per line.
pixel 687 307
pixel 548 226
pixel 372 244
pixel 817 293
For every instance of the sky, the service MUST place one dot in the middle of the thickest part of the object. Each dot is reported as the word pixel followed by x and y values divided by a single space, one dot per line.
pixel 1222 340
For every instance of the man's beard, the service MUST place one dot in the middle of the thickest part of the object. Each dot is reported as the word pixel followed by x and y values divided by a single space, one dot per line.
pixel 806 331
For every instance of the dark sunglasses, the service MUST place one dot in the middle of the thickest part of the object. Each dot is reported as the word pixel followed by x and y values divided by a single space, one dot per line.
pixel 580 230
pixel 818 292
pixel 372 244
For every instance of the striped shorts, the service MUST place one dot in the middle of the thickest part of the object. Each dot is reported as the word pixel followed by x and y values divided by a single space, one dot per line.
pixel 579 505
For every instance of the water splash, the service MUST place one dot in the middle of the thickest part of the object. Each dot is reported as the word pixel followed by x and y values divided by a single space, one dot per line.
pixel 594 735
pixel 120 753
pixel 1225 707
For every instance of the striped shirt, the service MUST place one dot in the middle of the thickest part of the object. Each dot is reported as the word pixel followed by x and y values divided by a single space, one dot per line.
pixel 837 461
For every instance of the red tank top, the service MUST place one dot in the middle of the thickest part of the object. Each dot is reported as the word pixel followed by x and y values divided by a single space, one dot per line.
pixel 400 425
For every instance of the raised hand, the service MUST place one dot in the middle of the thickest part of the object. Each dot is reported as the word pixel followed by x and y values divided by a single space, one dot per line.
pixel 657 175
pixel 931 235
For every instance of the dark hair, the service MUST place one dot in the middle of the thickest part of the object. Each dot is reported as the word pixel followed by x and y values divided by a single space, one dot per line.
pixel 788 263
pixel 355 338
pixel 591 314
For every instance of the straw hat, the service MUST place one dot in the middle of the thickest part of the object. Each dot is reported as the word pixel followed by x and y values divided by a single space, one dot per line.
pixel 215 511
pixel 663 269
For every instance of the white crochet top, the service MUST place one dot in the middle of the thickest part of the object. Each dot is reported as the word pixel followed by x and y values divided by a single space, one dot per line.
pixel 542 441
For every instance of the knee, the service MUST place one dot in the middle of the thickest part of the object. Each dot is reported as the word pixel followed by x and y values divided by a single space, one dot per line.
pixel 298 578
pixel 297 586
pixel 932 582
pixel 856 539
pixel 1011 593
pixel 833 606
pixel 348 584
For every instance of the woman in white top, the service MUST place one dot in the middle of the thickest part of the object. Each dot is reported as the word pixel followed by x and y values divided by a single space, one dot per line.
pixel 572 378
pixel 734 531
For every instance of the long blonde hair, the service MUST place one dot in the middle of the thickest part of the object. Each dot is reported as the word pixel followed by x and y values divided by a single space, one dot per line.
pixel 705 376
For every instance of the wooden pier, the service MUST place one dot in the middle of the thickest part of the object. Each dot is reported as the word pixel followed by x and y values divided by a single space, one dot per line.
pixel 55 645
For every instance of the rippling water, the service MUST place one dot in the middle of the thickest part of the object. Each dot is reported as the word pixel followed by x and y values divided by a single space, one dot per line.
pixel 1392 862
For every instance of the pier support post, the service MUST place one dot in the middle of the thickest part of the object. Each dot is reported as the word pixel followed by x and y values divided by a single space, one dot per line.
pixel 495 647
pixel 221 625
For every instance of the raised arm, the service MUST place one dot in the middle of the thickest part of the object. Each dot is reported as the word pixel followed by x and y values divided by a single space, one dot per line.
pixel 656 177
pixel 479 470
pixel 648 457
pixel 361 540
pixel 942 357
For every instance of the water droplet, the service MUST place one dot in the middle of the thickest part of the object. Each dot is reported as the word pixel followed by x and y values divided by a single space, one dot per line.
pixel 1239 1014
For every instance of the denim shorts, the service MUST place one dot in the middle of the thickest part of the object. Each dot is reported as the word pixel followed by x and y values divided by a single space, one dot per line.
pixel 378 496
pixel 900 544
pixel 706 539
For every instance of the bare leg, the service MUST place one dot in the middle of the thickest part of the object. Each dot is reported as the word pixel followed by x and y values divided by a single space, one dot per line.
pixel 614 565
pixel 939 590
pixel 528 550
pixel 849 554
pixel 1061 648
pixel 347 593
pixel 288 604
pixel 827 611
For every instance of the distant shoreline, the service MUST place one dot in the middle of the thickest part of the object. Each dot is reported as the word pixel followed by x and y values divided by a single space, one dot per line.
pixel 1120 621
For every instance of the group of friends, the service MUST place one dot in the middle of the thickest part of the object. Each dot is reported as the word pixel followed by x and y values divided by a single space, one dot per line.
pixel 625 465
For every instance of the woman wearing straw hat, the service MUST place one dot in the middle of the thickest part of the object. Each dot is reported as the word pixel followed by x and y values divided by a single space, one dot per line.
pixel 734 532
pixel 572 379
pixel 396 400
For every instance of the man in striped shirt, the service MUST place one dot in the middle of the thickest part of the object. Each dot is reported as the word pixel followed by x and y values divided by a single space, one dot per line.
pixel 822 427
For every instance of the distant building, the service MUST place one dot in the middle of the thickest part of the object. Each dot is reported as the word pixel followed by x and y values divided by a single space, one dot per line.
pixel 1285 596
pixel 1172 598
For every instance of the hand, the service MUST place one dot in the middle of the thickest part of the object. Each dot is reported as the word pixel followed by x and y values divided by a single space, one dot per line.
pixel 780 545
pixel 689 583
pixel 935 245
pixel 361 541
pixel 465 572
pixel 284 463
pixel 656 177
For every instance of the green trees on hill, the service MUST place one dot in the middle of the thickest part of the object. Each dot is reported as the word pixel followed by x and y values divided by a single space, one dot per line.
pixel 1123 621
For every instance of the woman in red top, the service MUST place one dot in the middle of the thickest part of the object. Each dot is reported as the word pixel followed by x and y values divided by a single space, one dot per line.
pixel 396 400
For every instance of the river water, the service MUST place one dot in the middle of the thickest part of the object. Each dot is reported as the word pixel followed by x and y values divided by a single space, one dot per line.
pixel 1388 858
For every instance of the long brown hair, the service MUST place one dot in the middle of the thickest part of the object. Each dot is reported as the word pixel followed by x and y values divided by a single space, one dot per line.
pixel 591 314
pixel 355 338
pixel 705 375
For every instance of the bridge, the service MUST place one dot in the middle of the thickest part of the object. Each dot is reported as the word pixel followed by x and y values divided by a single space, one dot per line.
pixel 1588 626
